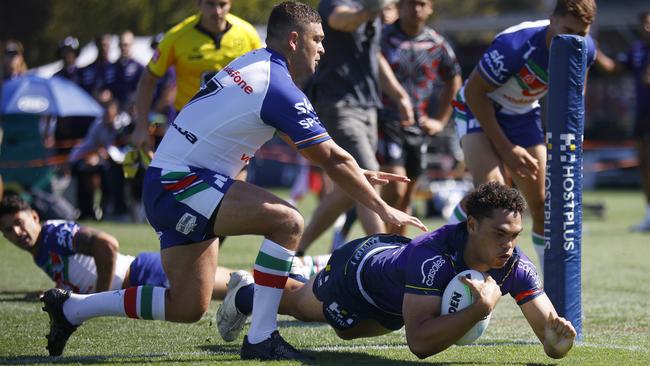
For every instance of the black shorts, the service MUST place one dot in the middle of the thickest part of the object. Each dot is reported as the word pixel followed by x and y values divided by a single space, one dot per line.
pixel 338 288
pixel 401 147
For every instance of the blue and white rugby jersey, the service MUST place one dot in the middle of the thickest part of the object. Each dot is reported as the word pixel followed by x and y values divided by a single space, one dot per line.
pixel 517 64
pixel 235 113
pixel 58 257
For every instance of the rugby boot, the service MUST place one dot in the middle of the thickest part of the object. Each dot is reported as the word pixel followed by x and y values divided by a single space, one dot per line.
pixel 273 349
pixel 60 327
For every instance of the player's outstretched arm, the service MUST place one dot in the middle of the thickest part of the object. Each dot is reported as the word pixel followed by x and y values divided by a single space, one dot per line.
pixel 103 248
pixel 556 334
pixel 344 171
pixel 428 333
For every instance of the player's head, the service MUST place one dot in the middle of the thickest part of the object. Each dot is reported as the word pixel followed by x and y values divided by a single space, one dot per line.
pixel 644 22
pixel 213 14
pixel 572 17
pixel 415 12
pixel 294 29
pixel 19 222
pixel 494 221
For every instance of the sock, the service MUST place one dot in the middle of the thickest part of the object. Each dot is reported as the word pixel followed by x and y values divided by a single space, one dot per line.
pixel 457 216
pixel 244 299
pixel 538 244
pixel 271 270
pixel 142 302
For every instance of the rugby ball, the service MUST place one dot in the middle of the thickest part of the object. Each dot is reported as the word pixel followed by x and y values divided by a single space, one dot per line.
pixel 458 296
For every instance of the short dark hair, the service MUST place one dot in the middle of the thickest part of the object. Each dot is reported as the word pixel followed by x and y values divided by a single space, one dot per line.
pixel 584 10
pixel 482 201
pixel 12 204
pixel 288 16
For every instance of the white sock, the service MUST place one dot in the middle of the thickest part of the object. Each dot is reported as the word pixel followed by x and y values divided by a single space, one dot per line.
pixel 271 270
pixel 457 216
pixel 142 302
pixel 538 244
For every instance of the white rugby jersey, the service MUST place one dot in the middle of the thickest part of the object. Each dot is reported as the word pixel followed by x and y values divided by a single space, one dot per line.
pixel 71 270
pixel 235 113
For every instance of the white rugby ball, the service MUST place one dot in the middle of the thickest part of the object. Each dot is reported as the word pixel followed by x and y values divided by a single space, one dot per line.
pixel 458 296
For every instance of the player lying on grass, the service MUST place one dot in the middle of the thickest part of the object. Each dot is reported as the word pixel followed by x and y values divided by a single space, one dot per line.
pixel 377 284
pixel 78 258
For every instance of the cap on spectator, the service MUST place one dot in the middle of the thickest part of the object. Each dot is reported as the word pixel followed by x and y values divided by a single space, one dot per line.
pixel 68 42
pixel 13 47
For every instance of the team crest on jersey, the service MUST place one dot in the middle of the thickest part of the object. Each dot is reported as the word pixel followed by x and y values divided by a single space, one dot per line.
pixel 430 268
pixel 186 224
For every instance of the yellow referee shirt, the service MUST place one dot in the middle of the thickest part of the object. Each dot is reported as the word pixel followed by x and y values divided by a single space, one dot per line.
pixel 197 56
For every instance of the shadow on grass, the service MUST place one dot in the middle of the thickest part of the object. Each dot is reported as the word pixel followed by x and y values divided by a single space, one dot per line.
pixel 337 358
pixel 20 296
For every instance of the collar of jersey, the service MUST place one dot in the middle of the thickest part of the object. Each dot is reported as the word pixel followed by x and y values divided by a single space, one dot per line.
pixel 277 57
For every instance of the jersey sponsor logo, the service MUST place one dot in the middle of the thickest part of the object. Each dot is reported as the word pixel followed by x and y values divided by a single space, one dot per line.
pixel 186 224
pixel 245 158
pixel 309 122
pixel 339 315
pixel 429 269
pixel 235 75
pixel 529 269
pixel 304 107
pixel 494 61
pixel 531 48
pixel 188 135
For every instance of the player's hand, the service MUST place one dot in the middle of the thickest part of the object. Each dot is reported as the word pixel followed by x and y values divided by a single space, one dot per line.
pixel 521 163
pixel 405 111
pixel 430 126
pixel 399 218
pixel 559 335
pixel 486 293
pixel 381 178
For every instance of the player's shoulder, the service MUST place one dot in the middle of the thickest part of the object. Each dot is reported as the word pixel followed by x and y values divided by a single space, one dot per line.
pixel 184 27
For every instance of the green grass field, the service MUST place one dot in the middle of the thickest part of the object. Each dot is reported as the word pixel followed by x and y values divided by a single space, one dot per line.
pixel 616 295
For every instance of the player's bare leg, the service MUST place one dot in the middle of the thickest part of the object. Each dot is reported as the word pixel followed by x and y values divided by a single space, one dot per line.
pixel 533 191
pixel 247 209
pixel 398 195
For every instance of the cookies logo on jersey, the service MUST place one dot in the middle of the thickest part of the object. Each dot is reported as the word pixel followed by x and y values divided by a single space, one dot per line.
pixel 529 268
pixel 494 61
pixel 429 269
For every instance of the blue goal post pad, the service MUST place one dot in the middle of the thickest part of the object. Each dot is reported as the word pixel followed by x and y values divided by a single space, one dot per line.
pixel 563 183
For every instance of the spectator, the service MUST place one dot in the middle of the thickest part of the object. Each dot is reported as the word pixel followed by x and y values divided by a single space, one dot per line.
pixel 91 165
pixel 162 106
pixel 68 51
pixel 637 60
pixel 127 71
pixel 421 60
pixel 99 76
pixel 13 62
pixel 198 47
pixel 345 93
